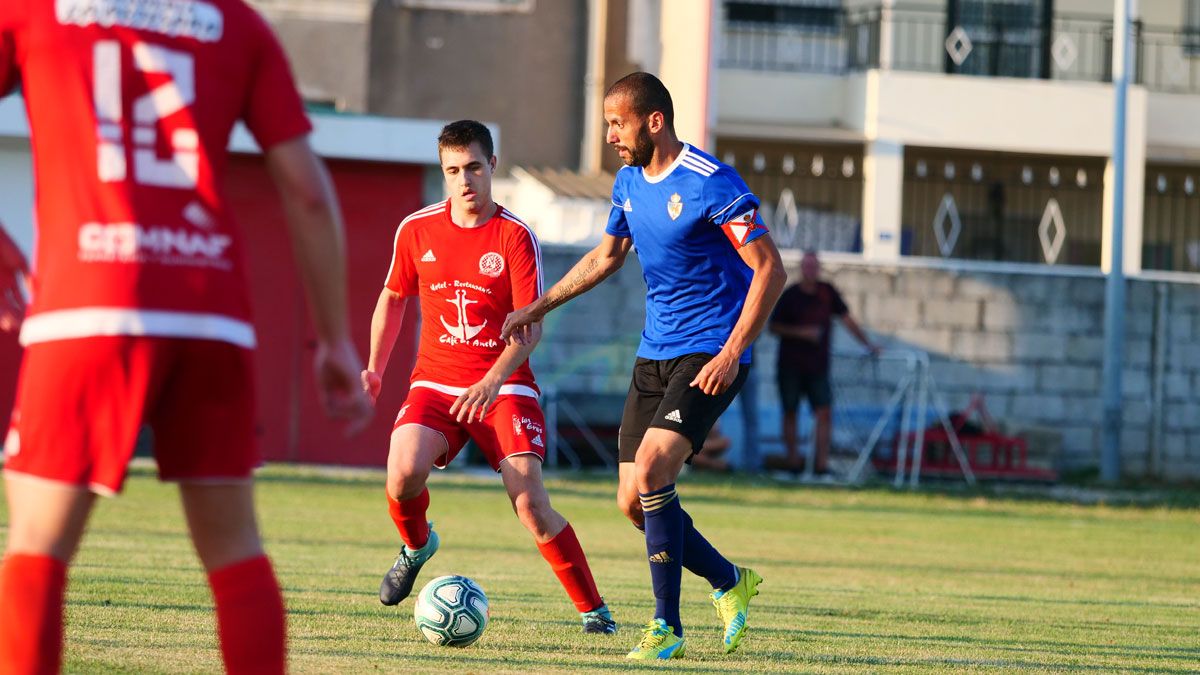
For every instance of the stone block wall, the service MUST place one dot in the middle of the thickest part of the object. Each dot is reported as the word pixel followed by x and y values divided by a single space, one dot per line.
pixel 1030 341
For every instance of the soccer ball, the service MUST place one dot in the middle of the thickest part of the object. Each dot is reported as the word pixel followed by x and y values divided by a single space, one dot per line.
pixel 451 611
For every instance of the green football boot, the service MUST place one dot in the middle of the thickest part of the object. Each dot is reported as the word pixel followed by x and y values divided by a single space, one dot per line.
pixel 733 606
pixel 658 642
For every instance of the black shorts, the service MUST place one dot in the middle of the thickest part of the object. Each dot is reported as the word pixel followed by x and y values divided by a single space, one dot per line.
pixel 815 388
pixel 660 397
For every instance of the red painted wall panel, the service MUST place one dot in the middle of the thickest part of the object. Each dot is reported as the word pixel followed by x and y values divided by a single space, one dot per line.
pixel 374 198
pixel 292 427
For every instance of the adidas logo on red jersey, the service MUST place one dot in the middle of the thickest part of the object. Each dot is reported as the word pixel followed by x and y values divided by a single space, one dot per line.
pixel 429 256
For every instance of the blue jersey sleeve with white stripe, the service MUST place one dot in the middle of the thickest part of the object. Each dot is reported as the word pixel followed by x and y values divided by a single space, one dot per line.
pixel 618 226
pixel 728 200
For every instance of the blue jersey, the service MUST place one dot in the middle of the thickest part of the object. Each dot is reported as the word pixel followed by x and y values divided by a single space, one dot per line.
pixel 687 225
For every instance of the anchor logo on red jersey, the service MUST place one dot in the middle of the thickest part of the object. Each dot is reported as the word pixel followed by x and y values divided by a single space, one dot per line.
pixel 464 330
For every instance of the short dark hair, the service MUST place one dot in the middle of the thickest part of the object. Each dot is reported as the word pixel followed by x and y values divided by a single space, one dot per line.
pixel 646 94
pixel 461 134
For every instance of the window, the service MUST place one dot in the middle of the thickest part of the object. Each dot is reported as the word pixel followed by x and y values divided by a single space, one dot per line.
pixel 1191 27
pixel 1007 37
pixel 494 6
pixel 810 16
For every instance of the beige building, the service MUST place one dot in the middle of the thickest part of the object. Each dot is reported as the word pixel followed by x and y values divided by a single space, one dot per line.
pixel 977 129
pixel 964 129
pixel 952 157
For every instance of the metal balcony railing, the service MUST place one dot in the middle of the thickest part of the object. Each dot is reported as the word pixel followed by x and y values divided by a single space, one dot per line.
pixel 1072 48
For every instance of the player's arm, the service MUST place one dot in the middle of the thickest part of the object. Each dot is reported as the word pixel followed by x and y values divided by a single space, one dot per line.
pixel 315 225
pixel 762 256
pixel 596 266
pixel 386 322
pixel 13 269
pixel 810 333
pixel 858 333
pixel 474 403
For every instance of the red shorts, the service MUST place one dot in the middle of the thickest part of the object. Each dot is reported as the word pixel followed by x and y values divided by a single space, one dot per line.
pixel 81 403
pixel 514 425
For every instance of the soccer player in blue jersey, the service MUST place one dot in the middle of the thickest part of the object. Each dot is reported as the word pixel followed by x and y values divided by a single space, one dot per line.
pixel 712 275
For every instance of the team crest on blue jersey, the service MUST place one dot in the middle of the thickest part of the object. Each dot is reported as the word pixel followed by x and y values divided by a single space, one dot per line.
pixel 675 206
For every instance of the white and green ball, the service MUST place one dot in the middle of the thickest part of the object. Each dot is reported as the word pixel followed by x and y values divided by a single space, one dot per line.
pixel 451 611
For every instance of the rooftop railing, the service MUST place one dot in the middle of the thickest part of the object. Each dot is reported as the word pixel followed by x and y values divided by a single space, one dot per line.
pixel 1072 48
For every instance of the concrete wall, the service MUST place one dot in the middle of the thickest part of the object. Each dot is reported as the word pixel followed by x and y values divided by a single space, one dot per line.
pixel 521 70
pixel 1031 342
pixel 687 64
pixel 329 59
pixel 327 43
pixel 1171 132
pixel 764 97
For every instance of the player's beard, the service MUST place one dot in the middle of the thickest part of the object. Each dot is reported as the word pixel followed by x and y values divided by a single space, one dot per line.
pixel 642 151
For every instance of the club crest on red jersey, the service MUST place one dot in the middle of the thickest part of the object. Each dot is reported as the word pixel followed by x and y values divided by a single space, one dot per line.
pixel 675 206
pixel 491 264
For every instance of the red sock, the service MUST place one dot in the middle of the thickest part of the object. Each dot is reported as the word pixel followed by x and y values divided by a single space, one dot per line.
pixel 31 614
pixel 251 622
pixel 409 516
pixel 566 558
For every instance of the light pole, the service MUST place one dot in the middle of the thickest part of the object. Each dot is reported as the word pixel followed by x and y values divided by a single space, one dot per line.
pixel 1114 289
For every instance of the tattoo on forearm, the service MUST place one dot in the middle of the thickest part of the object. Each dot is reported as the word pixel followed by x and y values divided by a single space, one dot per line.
pixel 566 289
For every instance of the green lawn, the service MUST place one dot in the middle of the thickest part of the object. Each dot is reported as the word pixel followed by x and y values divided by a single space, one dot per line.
pixel 856 581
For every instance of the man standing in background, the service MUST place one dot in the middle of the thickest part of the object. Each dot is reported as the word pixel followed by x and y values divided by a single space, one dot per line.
pixel 140 311
pixel 803 320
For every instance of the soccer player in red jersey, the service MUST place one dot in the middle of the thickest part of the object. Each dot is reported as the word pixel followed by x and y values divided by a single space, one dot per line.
pixel 140 311
pixel 470 261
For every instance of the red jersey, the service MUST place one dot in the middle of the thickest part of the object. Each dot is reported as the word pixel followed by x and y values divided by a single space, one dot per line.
pixel 131 104
pixel 468 280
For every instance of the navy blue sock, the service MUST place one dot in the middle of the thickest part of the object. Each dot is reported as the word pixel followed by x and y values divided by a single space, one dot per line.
pixel 664 546
pixel 701 559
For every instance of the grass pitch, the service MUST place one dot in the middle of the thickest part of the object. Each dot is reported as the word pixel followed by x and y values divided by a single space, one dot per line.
pixel 856 581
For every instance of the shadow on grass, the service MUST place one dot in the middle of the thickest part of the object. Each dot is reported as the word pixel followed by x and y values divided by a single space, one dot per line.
pixel 592 482
pixel 1186 654
pixel 983 570
pixel 944 664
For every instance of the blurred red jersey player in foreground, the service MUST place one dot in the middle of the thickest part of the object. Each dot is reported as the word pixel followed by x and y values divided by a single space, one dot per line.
pixel 140 311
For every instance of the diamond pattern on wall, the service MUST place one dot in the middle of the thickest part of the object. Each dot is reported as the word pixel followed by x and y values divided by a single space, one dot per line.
pixel 946 240
pixel 958 45
pixel 1052 231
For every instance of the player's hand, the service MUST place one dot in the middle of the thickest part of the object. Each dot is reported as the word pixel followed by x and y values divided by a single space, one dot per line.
pixel 371 384
pixel 519 324
pixel 810 333
pixel 473 404
pixel 717 375
pixel 338 372
pixel 12 305
pixel 13 270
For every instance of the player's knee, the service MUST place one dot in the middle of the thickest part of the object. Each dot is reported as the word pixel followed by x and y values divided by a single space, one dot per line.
pixel 31 540
pixel 652 470
pixel 403 485
pixel 535 514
